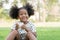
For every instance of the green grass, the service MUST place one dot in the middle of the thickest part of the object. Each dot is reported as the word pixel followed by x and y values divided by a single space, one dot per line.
pixel 3 33
pixel 48 33
pixel 42 33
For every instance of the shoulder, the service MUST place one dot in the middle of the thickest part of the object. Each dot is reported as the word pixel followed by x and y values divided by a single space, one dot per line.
pixel 14 25
pixel 31 23
pixel 33 27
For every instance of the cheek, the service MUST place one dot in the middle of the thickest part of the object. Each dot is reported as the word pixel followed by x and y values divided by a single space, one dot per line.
pixel 23 18
pixel 19 17
pixel 27 16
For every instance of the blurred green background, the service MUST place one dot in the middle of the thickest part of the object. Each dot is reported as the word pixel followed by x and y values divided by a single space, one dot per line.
pixel 46 18
pixel 45 10
pixel 46 33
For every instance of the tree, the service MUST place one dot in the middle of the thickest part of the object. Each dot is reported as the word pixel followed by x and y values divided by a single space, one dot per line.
pixel 23 2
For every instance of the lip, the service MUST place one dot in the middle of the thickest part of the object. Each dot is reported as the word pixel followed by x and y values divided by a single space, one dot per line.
pixel 24 18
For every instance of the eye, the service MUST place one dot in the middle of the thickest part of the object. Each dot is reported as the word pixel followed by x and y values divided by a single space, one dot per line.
pixel 21 14
pixel 26 13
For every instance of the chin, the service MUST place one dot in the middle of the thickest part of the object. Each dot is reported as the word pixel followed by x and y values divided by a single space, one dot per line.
pixel 24 20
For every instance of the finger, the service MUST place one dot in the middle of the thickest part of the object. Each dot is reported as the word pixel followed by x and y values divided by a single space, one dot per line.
pixel 17 26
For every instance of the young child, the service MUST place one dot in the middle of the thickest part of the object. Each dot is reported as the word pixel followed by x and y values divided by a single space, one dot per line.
pixel 23 29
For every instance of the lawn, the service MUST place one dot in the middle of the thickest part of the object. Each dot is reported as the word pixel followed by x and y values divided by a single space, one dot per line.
pixel 48 33
pixel 3 33
pixel 43 33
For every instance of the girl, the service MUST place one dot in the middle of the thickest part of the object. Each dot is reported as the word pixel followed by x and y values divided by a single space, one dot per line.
pixel 23 29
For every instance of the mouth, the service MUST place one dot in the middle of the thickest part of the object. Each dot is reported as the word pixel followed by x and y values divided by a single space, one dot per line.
pixel 24 18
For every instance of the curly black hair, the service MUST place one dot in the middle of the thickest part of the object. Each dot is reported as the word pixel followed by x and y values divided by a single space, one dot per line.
pixel 14 10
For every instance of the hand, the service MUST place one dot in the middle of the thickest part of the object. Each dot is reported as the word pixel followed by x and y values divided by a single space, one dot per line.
pixel 23 26
pixel 17 26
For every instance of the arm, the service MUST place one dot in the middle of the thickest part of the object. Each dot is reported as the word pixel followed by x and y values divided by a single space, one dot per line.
pixel 34 33
pixel 31 36
pixel 28 30
pixel 12 35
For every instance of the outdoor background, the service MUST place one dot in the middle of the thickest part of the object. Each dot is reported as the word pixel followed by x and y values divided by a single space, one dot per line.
pixel 46 18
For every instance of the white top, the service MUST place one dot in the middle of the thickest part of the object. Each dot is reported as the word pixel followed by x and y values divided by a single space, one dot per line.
pixel 22 32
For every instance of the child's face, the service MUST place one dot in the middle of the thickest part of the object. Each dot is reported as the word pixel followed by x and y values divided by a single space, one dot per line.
pixel 23 15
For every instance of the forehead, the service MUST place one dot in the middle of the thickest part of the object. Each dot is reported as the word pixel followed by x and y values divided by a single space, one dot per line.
pixel 23 10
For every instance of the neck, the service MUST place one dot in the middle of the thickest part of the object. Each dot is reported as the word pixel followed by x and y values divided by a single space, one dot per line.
pixel 25 22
